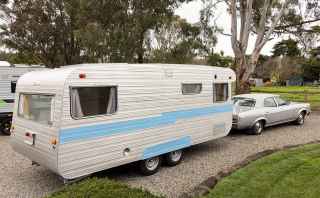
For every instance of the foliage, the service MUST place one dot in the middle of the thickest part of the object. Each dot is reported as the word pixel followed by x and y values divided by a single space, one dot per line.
pixel 311 69
pixel 291 173
pixel 18 58
pixel 287 47
pixel 177 41
pixel 100 188
pixel 64 32
pixel 219 60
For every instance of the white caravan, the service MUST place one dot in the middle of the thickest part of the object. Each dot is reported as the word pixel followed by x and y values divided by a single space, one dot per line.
pixel 9 75
pixel 82 119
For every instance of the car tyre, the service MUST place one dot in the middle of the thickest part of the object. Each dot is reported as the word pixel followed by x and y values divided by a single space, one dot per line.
pixel 5 127
pixel 301 118
pixel 150 166
pixel 257 128
pixel 173 158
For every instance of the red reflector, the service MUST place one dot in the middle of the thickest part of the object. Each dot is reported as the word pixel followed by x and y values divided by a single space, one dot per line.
pixel 28 134
pixel 82 76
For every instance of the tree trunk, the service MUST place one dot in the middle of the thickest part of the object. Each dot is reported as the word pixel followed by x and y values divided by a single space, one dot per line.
pixel 243 85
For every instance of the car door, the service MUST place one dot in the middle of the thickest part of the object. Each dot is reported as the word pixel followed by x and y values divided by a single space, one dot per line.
pixel 285 112
pixel 271 110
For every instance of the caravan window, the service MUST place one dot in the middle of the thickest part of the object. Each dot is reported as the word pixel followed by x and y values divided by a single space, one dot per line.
pixel 36 107
pixel 93 101
pixel 13 86
pixel 220 92
pixel 190 89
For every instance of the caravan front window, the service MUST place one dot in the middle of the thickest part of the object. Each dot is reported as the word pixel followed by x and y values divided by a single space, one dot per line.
pixel 220 92
pixel 36 107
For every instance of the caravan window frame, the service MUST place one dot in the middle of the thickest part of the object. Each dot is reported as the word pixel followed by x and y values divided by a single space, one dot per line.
pixel 214 90
pixel 194 93
pixel 52 110
pixel 93 116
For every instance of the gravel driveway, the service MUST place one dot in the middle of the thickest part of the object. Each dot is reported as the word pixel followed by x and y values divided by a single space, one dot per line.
pixel 19 179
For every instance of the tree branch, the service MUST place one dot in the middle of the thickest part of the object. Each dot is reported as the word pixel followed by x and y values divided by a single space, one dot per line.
pixel 234 28
pixel 297 24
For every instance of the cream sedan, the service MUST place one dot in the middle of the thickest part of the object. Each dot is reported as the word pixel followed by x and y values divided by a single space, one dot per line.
pixel 257 111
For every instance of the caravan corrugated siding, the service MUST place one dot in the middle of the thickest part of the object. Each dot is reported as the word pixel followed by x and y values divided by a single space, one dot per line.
pixel 153 116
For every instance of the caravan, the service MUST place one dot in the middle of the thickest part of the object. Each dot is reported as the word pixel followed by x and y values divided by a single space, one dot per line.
pixel 82 119
pixel 9 74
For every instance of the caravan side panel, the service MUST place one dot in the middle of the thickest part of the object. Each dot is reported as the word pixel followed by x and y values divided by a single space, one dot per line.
pixel 153 117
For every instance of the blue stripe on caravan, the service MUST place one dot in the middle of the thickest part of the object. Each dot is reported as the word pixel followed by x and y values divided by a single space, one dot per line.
pixel 100 130
pixel 166 147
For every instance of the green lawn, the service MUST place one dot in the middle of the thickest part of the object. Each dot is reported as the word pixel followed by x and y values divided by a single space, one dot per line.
pixel 290 93
pixel 100 188
pixel 294 173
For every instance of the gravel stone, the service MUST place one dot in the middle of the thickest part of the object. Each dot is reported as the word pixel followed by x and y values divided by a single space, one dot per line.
pixel 18 178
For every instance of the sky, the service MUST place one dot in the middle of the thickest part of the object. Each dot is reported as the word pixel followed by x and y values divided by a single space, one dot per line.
pixel 191 12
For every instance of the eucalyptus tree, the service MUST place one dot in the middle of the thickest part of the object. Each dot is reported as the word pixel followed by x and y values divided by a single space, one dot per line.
pixel 260 21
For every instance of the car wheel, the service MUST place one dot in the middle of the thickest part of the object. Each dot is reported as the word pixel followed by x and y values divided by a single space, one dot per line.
pixel 257 128
pixel 173 158
pixel 6 126
pixel 150 166
pixel 301 118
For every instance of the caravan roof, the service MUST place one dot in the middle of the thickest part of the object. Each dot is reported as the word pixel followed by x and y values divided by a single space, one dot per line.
pixel 59 75
pixel 5 64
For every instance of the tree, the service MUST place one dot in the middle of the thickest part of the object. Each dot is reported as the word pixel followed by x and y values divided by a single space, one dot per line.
pixel 61 32
pixel 177 41
pixel 287 47
pixel 45 30
pixel 311 67
pixel 263 19
pixel 219 60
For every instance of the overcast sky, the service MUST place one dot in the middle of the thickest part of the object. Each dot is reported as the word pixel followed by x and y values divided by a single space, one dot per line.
pixel 190 12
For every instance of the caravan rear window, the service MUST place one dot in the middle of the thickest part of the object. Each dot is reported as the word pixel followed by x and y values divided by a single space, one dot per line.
pixel 36 107
pixel 93 101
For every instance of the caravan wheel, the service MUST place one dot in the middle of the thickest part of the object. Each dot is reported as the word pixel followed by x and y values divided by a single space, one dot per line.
pixel 174 158
pixel 6 126
pixel 150 166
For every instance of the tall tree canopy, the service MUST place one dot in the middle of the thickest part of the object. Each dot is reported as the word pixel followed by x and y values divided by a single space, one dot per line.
pixel 288 47
pixel 262 21
pixel 60 32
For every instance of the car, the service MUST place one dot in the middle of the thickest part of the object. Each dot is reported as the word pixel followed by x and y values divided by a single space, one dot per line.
pixel 257 111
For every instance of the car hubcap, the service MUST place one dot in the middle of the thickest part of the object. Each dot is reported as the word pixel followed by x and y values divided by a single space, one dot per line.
pixel 152 163
pixel 301 120
pixel 175 155
pixel 258 127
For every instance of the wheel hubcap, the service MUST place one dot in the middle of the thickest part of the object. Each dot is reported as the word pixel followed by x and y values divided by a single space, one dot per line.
pixel 301 120
pixel 258 127
pixel 152 163
pixel 175 155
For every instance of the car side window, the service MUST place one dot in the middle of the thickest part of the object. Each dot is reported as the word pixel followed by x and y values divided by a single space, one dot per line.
pixel 269 102
pixel 280 101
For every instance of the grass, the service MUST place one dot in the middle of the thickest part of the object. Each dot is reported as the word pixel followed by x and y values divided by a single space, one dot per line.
pixel 294 93
pixel 101 188
pixel 294 173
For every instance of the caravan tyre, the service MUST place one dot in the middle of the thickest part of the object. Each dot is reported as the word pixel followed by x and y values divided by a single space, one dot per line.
pixel 150 166
pixel 6 126
pixel 174 158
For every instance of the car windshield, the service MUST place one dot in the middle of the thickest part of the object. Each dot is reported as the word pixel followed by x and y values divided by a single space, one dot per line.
pixel 244 102
pixel 36 107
